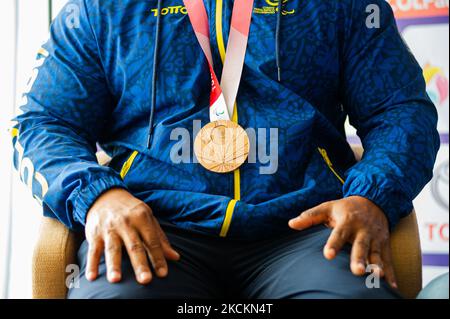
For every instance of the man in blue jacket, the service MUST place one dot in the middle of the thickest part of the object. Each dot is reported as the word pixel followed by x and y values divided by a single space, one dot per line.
pixel 126 75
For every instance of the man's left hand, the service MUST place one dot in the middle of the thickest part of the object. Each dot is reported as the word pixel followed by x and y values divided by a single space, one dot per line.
pixel 358 221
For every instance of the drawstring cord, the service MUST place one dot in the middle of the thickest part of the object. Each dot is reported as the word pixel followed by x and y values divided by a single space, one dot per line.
pixel 278 40
pixel 154 76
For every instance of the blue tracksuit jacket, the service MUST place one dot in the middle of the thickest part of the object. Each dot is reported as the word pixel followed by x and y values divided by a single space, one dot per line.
pixel 93 86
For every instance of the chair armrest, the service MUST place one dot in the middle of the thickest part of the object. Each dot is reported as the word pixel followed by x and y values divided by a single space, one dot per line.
pixel 55 249
pixel 407 256
pixel 406 250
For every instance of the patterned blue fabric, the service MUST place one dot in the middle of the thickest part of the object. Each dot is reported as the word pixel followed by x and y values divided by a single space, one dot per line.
pixel 94 84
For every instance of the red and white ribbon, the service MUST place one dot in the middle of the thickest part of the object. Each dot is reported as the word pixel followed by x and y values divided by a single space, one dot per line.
pixel 223 95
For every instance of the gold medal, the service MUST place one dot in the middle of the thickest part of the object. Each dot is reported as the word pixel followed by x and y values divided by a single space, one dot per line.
pixel 221 146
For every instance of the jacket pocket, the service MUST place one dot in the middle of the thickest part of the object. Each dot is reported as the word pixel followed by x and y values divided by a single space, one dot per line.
pixel 330 165
pixel 127 165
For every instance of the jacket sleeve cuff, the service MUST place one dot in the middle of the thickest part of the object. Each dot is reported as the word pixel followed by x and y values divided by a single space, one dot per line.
pixel 392 202
pixel 87 196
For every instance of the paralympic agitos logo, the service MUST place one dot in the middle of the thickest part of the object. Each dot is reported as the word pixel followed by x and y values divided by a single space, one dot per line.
pixel 272 8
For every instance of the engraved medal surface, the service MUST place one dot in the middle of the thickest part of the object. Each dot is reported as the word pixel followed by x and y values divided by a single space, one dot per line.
pixel 221 146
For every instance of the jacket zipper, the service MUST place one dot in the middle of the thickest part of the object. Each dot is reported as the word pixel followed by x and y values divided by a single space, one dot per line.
pixel 327 160
pixel 127 165
pixel 237 173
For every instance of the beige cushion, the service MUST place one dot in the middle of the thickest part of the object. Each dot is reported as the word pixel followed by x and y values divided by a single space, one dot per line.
pixel 55 249
pixel 407 256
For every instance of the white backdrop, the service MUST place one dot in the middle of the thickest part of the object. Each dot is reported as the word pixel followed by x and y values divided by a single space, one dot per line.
pixel 424 25
pixel 7 36
pixel 32 33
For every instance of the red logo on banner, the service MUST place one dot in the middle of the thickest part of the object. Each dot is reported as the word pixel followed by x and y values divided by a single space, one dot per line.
pixel 413 9
pixel 437 232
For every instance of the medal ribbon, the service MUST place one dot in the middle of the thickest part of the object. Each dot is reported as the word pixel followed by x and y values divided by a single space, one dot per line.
pixel 223 95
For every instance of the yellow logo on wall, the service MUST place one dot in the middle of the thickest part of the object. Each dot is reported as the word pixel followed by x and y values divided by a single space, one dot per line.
pixel 272 8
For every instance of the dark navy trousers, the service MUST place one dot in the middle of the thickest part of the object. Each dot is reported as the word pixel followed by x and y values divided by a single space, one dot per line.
pixel 291 266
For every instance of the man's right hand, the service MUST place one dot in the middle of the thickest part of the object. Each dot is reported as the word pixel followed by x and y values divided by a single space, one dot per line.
pixel 119 219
